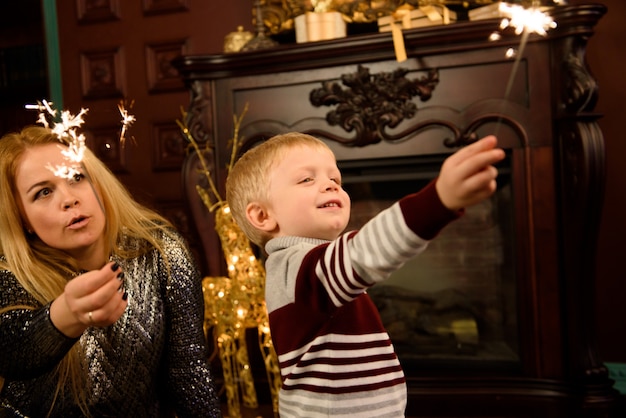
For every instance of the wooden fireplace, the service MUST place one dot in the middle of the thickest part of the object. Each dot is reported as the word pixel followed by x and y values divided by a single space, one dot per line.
pixel 518 340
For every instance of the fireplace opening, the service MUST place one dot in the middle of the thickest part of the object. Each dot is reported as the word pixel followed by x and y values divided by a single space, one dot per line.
pixel 454 305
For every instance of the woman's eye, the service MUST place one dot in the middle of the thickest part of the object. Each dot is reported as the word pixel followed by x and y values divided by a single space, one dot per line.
pixel 42 193
pixel 76 178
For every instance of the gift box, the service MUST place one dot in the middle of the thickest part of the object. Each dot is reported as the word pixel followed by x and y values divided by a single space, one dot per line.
pixel 415 18
pixel 319 26
pixel 495 10
pixel 490 11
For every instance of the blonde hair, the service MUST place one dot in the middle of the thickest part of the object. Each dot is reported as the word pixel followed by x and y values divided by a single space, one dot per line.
pixel 248 180
pixel 44 271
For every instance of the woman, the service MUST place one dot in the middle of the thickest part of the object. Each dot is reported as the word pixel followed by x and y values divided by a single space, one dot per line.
pixel 100 302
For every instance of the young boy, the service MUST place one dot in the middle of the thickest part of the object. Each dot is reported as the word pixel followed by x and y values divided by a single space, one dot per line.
pixel 335 356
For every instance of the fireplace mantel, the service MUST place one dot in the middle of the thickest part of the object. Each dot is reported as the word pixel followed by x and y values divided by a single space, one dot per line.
pixel 449 91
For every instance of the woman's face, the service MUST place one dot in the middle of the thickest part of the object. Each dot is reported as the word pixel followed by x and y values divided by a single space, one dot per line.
pixel 64 214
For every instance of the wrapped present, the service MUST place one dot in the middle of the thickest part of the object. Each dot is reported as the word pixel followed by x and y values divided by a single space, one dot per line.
pixel 415 18
pixel 490 11
pixel 319 26
pixel 498 10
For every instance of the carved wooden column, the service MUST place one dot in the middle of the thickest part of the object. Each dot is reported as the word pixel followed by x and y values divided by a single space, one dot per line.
pixel 199 120
pixel 580 154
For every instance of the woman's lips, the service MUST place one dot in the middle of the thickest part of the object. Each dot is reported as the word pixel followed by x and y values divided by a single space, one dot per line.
pixel 78 223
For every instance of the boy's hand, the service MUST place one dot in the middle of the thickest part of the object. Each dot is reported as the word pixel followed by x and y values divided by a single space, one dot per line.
pixel 468 176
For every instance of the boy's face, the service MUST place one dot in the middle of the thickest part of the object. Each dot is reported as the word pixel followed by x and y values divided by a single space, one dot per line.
pixel 306 197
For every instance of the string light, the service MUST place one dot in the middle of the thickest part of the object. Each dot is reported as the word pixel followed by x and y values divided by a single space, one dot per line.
pixel 236 303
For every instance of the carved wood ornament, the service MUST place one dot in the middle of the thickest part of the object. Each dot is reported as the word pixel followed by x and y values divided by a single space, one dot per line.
pixel 371 103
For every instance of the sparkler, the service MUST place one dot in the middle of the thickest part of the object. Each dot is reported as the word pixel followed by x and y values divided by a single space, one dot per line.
pixel 65 130
pixel 529 20
pixel 127 120
pixel 525 21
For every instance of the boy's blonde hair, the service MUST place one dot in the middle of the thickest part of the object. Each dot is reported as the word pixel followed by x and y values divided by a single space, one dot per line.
pixel 248 180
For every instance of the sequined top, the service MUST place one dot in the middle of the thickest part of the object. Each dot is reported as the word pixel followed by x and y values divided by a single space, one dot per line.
pixel 151 362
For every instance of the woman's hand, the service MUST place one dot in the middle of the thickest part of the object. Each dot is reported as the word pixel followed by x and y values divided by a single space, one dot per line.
pixel 96 298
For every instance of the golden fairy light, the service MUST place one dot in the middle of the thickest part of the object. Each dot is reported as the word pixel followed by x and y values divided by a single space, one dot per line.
pixel 235 303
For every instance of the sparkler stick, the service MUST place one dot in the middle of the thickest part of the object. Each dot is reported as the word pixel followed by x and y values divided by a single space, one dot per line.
pixel 525 21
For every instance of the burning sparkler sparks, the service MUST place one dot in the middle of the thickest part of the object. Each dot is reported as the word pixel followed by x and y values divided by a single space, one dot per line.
pixel 524 21
pixel 74 154
pixel 530 20
pixel 45 110
pixel 127 120
pixel 65 130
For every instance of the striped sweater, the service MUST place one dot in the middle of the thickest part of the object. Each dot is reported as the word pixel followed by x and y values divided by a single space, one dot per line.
pixel 336 358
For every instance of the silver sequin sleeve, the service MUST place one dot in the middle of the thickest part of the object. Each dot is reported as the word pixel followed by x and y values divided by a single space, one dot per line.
pixel 34 329
pixel 152 362
pixel 186 352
